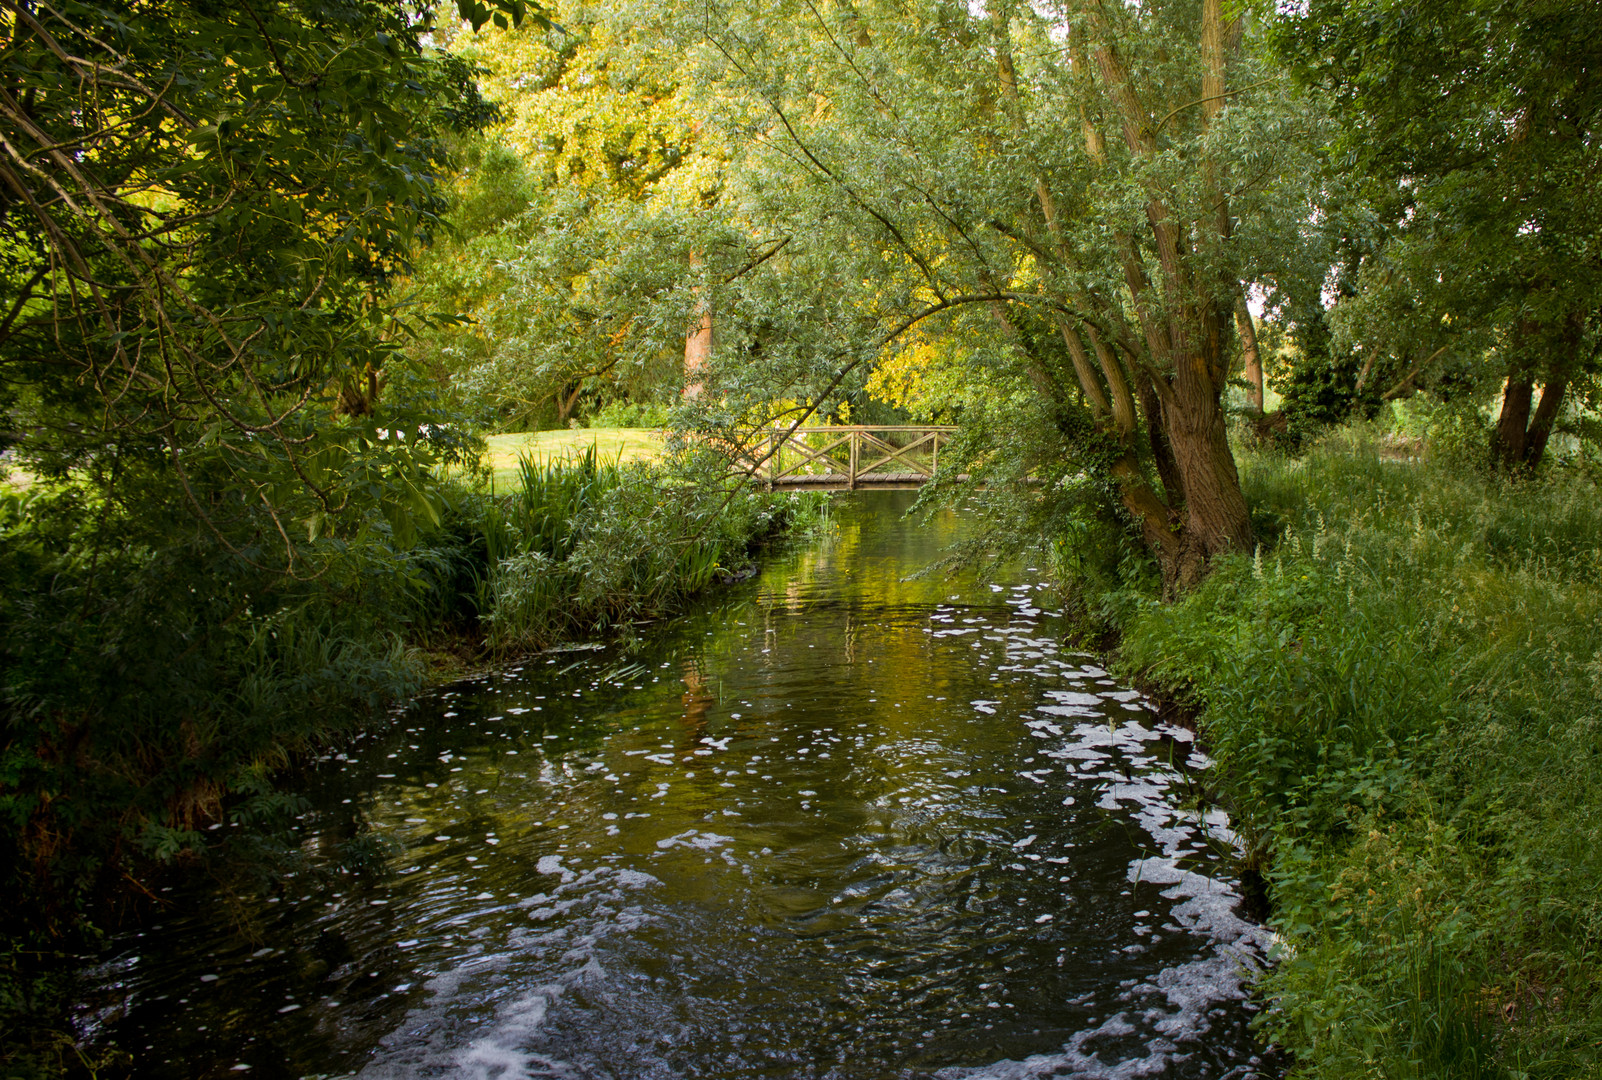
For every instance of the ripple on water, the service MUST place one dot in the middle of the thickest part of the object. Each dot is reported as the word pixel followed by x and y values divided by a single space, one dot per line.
pixel 841 825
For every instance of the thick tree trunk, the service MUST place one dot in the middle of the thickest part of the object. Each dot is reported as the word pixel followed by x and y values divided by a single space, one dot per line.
pixel 1216 518
pixel 1151 407
pixel 1521 435
pixel 1215 510
pixel 1546 414
pixel 1507 444
pixel 1185 328
pixel 565 402
pixel 1524 426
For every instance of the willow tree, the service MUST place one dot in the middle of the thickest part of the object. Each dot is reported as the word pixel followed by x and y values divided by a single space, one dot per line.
pixel 1105 170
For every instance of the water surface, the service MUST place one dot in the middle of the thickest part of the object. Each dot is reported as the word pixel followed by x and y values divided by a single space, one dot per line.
pixel 836 823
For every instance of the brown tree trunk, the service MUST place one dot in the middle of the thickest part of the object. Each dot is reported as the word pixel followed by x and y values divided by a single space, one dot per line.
pixel 1507 442
pixel 698 341
pixel 1525 427
pixel 1098 370
pixel 1565 361
pixel 1520 438
pixel 1185 331
pixel 1251 359
pixel 1521 435
pixel 1174 380
pixel 1546 414
pixel 565 402
pixel 1162 453
pixel 1217 520
pixel 1512 425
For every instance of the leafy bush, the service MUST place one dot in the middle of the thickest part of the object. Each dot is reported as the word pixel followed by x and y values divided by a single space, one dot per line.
pixel 630 414
pixel 585 546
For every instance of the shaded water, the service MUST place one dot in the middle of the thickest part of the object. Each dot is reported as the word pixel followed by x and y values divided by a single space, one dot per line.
pixel 836 824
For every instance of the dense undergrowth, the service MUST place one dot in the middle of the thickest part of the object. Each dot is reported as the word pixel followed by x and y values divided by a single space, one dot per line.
pixel 1403 692
pixel 157 679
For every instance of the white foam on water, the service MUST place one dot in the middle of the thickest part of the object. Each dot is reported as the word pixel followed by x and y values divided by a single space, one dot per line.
pixel 430 1041
pixel 1170 1013
pixel 552 864
pixel 694 838
pixel 1073 697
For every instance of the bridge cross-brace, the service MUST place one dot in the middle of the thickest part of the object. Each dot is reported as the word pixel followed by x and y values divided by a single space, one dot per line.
pixel 809 455
pixel 778 443
pixel 893 453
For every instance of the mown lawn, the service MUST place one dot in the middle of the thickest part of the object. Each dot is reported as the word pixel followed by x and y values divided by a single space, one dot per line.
pixel 611 444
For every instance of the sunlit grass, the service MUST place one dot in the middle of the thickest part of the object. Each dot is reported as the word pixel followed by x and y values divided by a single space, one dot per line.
pixel 621 445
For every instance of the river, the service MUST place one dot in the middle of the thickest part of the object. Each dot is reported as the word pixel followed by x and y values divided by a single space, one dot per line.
pixel 836 822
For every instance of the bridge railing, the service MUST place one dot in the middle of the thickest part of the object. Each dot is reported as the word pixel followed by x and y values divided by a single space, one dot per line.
pixel 844 456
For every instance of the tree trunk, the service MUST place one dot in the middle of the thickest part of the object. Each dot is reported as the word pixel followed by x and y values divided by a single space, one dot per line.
pixel 1565 361
pixel 1185 329
pixel 1217 520
pixel 1151 407
pixel 565 402
pixel 1251 359
pixel 1519 441
pixel 698 341
pixel 1546 414
pixel 1511 425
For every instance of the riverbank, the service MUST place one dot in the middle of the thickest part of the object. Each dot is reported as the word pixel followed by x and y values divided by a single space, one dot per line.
pixel 152 699
pixel 1403 691
pixel 838 818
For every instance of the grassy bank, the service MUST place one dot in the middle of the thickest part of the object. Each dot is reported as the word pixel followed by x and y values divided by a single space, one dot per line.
pixel 1403 691
pixel 158 682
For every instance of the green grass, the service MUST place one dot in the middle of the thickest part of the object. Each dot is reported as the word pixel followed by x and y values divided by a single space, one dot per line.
pixel 1403 690
pixel 621 445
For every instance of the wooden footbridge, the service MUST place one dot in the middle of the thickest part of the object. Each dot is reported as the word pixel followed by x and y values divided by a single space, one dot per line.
pixel 842 457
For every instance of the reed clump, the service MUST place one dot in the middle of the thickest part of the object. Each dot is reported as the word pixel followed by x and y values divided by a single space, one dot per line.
pixel 1402 688
pixel 585 546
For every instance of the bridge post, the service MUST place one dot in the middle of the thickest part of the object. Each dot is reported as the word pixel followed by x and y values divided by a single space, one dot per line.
pixel 856 452
pixel 934 466
pixel 773 460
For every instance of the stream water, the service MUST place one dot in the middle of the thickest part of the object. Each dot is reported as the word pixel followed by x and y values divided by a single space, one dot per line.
pixel 836 823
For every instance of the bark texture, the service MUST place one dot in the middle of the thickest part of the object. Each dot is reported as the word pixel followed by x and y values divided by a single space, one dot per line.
pixel 1524 425
pixel 697 341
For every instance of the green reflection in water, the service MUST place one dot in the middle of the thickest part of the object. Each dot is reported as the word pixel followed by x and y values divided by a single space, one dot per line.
pixel 836 823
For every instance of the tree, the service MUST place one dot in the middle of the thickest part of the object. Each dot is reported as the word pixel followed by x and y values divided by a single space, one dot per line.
pixel 1476 125
pixel 205 210
pixel 935 155
pixel 574 220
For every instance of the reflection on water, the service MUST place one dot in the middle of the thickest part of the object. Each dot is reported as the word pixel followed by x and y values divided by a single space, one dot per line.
pixel 838 824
